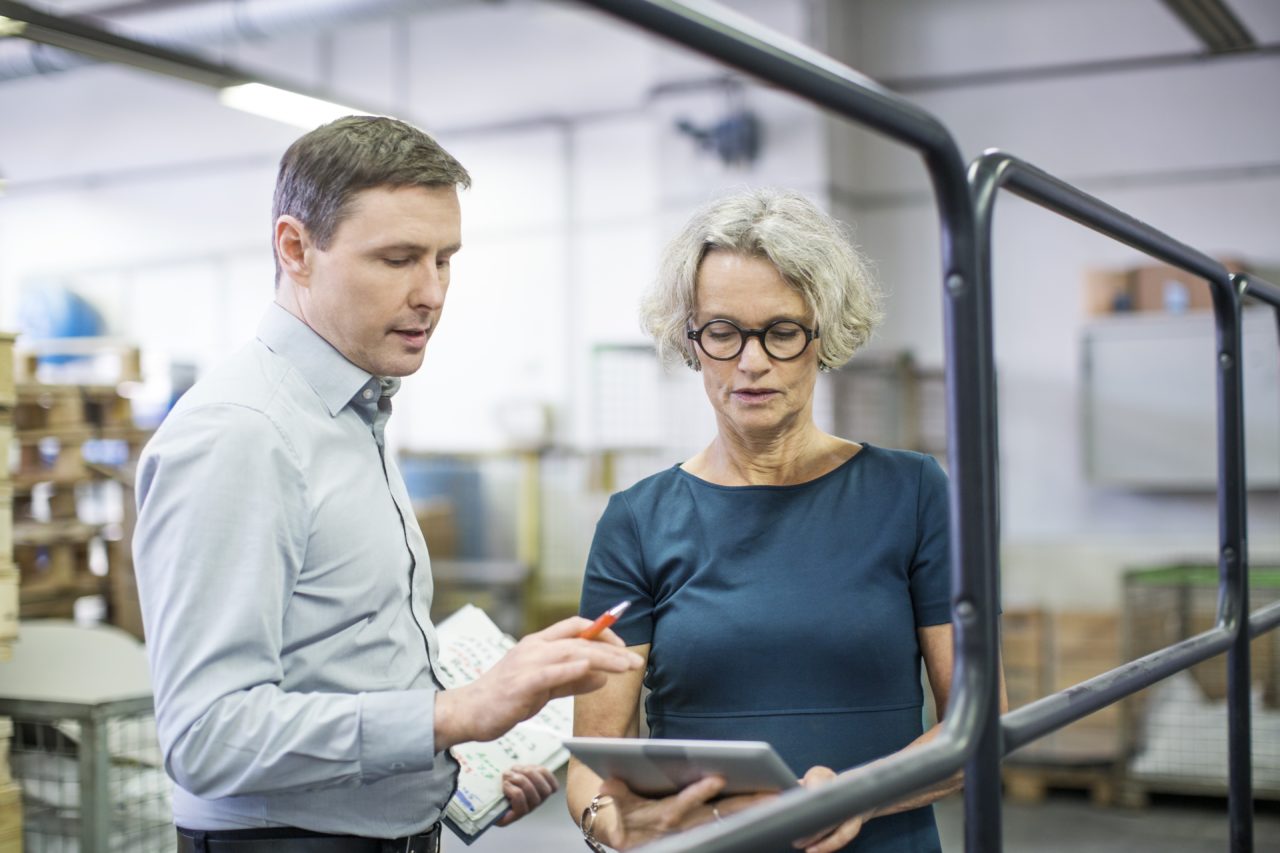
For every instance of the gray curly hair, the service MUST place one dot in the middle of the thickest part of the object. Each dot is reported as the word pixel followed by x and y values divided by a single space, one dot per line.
pixel 812 251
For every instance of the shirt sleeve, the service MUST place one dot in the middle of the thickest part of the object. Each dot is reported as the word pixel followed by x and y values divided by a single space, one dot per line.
pixel 930 572
pixel 615 573
pixel 221 538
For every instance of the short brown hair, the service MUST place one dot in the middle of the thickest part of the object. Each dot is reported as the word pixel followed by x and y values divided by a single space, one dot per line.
pixel 325 169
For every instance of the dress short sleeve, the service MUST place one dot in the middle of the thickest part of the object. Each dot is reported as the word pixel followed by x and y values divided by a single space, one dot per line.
pixel 930 571
pixel 615 572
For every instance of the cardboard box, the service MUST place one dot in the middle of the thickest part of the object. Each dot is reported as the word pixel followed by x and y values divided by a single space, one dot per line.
pixel 1023 653
pixel 6 441
pixel 1086 639
pixel 1083 645
pixel 6 736
pixel 8 602
pixel 10 818
pixel 1149 287
pixel 8 392
pixel 1211 675
pixel 1159 287
pixel 438 520
pixel 1107 291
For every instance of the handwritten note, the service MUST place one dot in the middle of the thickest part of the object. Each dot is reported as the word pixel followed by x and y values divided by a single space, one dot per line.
pixel 470 644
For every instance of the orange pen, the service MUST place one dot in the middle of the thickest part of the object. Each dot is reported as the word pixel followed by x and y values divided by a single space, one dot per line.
pixel 605 620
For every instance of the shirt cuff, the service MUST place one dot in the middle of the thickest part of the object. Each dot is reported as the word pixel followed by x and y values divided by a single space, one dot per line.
pixel 397 733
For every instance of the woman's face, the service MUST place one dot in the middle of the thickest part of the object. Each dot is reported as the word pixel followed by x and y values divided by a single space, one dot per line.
pixel 753 394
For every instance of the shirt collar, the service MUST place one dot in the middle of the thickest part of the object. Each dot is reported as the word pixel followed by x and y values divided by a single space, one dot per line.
pixel 334 379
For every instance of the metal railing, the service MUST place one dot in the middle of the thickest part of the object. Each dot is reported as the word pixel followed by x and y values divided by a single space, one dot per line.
pixel 973 736
pixel 1234 628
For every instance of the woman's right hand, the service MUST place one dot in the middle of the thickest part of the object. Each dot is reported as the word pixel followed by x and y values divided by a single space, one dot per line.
pixel 639 820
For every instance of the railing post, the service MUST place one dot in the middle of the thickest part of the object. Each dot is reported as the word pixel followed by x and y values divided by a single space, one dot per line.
pixel 1234 562
pixel 983 822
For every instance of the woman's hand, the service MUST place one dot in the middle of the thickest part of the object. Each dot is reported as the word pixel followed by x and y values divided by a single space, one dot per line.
pixel 526 788
pixel 832 839
pixel 640 820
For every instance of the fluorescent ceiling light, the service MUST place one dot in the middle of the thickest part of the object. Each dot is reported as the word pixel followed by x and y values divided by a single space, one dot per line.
pixel 283 105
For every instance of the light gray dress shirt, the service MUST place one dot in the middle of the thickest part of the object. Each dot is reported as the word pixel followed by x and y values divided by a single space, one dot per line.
pixel 285 590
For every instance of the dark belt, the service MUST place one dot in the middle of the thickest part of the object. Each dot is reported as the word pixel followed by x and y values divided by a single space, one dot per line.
pixel 288 840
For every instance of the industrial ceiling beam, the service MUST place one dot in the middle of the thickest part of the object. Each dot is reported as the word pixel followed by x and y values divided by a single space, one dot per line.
pixel 22 21
pixel 17 20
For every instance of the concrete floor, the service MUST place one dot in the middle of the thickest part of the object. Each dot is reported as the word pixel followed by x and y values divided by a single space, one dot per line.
pixel 1062 823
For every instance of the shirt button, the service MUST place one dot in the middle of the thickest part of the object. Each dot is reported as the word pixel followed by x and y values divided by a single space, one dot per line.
pixel 397 765
pixel 368 394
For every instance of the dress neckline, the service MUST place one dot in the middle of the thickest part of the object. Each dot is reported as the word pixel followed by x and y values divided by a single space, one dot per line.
pixel 865 446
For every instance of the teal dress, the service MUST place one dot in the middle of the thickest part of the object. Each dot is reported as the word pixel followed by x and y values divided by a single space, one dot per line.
pixel 786 614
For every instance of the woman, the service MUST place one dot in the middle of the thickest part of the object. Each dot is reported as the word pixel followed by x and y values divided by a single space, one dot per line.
pixel 785 584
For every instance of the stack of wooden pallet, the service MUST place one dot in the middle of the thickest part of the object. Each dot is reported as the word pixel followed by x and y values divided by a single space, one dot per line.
pixel 1044 652
pixel 51 549
pixel 60 557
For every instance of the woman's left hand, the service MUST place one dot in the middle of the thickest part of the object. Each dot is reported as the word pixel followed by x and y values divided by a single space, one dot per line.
pixel 834 838
pixel 525 787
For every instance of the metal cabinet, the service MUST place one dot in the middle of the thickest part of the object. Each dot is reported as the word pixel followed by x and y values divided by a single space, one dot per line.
pixel 1149 401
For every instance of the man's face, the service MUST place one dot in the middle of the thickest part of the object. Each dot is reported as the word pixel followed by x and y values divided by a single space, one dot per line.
pixel 377 292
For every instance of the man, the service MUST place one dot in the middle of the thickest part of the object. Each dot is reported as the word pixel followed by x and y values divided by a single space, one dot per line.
pixel 285 583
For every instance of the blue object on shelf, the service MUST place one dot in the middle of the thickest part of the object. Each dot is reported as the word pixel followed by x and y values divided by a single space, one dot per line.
pixel 55 311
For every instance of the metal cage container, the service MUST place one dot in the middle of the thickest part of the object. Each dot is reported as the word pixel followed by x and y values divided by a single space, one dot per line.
pixel 91 776
pixel 1174 733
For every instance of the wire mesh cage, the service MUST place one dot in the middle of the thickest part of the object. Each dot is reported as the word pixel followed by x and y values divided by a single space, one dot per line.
pixel 91 777
pixel 1175 732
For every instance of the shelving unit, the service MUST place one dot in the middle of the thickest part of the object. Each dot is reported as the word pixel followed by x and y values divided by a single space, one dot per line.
pixel 75 446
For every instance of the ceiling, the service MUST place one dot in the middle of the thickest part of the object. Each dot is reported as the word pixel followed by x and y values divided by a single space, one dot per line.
pixel 947 39
pixel 460 64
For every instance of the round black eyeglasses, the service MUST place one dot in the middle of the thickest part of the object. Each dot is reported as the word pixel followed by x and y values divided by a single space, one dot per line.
pixel 724 340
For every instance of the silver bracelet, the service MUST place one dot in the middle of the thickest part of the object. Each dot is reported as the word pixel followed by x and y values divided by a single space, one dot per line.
pixel 588 822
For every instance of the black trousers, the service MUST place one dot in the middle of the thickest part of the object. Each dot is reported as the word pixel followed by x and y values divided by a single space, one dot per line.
pixel 288 840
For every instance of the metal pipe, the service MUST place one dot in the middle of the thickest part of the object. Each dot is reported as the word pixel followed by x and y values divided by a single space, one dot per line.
pixel 1259 288
pixel 1264 619
pixel 200 26
pixel 773 825
pixel 1041 188
pixel 1056 710
pixel 1233 561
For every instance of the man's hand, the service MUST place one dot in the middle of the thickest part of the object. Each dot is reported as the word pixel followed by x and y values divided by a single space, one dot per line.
pixel 543 666
pixel 525 787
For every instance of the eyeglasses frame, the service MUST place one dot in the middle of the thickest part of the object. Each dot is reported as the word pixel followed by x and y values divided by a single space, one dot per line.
pixel 810 335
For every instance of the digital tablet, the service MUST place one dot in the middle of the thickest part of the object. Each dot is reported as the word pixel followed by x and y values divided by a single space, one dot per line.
pixel 658 768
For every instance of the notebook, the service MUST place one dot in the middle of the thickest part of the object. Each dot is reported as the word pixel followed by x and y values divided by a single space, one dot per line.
pixel 470 643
